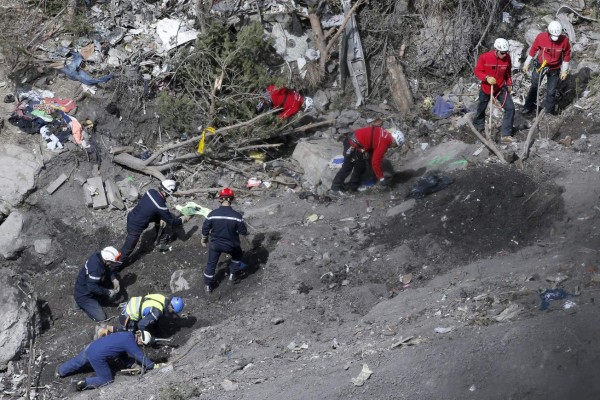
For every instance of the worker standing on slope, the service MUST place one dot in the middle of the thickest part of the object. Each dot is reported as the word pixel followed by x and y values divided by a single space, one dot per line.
pixel 553 51
pixel 494 71
pixel 152 207
pixel 224 226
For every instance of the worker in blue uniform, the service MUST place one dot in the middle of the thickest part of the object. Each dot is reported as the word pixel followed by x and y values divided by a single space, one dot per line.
pixel 96 281
pixel 224 225
pixel 99 353
pixel 152 207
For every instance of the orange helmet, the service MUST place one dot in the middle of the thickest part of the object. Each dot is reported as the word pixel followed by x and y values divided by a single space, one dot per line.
pixel 226 193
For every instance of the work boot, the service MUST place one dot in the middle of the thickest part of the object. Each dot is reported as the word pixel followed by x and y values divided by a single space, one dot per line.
pixel 57 372
pixel 236 278
pixel 208 289
pixel 80 385
pixel 507 139
pixel 337 193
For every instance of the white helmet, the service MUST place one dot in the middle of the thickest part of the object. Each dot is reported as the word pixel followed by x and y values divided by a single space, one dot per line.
pixel 110 254
pixel 555 29
pixel 397 135
pixel 501 44
pixel 308 104
pixel 145 336
pixel 169 186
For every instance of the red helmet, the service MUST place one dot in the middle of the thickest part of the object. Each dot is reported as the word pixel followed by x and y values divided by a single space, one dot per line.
pixel 226 193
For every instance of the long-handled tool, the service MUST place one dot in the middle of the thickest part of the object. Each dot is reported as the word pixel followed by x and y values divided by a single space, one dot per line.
pixel 541 70
pixel 491 104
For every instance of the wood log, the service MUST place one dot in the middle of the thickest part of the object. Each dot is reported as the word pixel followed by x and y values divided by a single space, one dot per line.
pixel 131 162
pixel 121 149
pixel 489 144
pixel 319 37
pixel 525 152
pixel 400 89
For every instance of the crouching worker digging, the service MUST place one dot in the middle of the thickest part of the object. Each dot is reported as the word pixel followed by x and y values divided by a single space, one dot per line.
pixel 224 225
pixel 96 281
pixel 143 313
pixel 121 346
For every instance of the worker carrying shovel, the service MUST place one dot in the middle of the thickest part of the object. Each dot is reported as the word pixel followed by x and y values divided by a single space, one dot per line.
pixel 494 70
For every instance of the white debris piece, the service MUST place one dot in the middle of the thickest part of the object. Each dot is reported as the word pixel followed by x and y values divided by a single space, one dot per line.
pixel 172 33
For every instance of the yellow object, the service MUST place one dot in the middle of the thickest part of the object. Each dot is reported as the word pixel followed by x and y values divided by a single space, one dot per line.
pixel 257 156
pixel 209 130
pixel 542 66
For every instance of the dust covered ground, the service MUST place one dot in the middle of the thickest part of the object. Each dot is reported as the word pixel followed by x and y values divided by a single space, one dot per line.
pixel 325 298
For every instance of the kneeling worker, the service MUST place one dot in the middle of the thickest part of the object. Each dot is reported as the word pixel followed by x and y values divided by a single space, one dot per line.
pixel 98 354
pixel 143 312
pixel 94 280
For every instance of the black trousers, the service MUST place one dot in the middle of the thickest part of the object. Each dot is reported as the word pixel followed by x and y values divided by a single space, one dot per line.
pixel 553 77
pixel 355 163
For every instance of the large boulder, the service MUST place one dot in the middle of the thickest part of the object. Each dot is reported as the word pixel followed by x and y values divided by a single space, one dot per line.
pixel 18 169
pixel 314 156
pixel 18 319
pixel 10 230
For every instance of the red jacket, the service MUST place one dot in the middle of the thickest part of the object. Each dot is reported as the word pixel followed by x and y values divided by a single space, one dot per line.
pixel 553 52
pixel 287 99
pixel 489 64
pixel 374 140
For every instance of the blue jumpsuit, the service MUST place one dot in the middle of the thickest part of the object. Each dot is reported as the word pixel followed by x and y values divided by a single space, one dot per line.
pixel 152 207
pixel 98 353
pixel 91 284
pixel 225 225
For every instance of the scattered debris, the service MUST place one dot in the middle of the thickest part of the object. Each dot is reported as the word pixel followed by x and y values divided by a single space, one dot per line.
pixel 443 330
pixel 294 347
pixel 53 187
pixel 508 313
pixel 409 341
pixel 365 374
pixel 551 295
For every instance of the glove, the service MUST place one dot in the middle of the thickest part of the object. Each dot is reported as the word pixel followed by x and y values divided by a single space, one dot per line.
pixel 509 88
pixel 563 75
pixel 204 241
pixel 491 80
pixel 185 218
pixel 163 224
pixel 116 285
pixel 160 365
pixel 112 293
pixel 526 68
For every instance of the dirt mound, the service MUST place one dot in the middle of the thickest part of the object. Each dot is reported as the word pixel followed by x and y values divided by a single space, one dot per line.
pixel 486 210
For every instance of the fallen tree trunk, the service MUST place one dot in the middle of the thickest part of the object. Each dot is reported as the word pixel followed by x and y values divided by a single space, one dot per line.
pixel 489 144
pixel 134 163
pixel 400 89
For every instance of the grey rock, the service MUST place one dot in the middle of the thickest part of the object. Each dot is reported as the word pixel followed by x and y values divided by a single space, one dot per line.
pixel 17 184
pixel 43 246
pixel 10 230
pixel 347 117
pixel 580 145
pixel 401 208
pixel 178 282
pixel 320 101
pixel 18 314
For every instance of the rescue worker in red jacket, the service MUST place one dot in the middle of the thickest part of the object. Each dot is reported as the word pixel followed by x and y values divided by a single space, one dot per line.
pixel 363 144
pixel 288 99
pixel 494 70
pixel 554 52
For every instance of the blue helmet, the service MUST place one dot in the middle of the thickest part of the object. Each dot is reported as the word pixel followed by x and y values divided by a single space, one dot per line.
pixel 177 304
